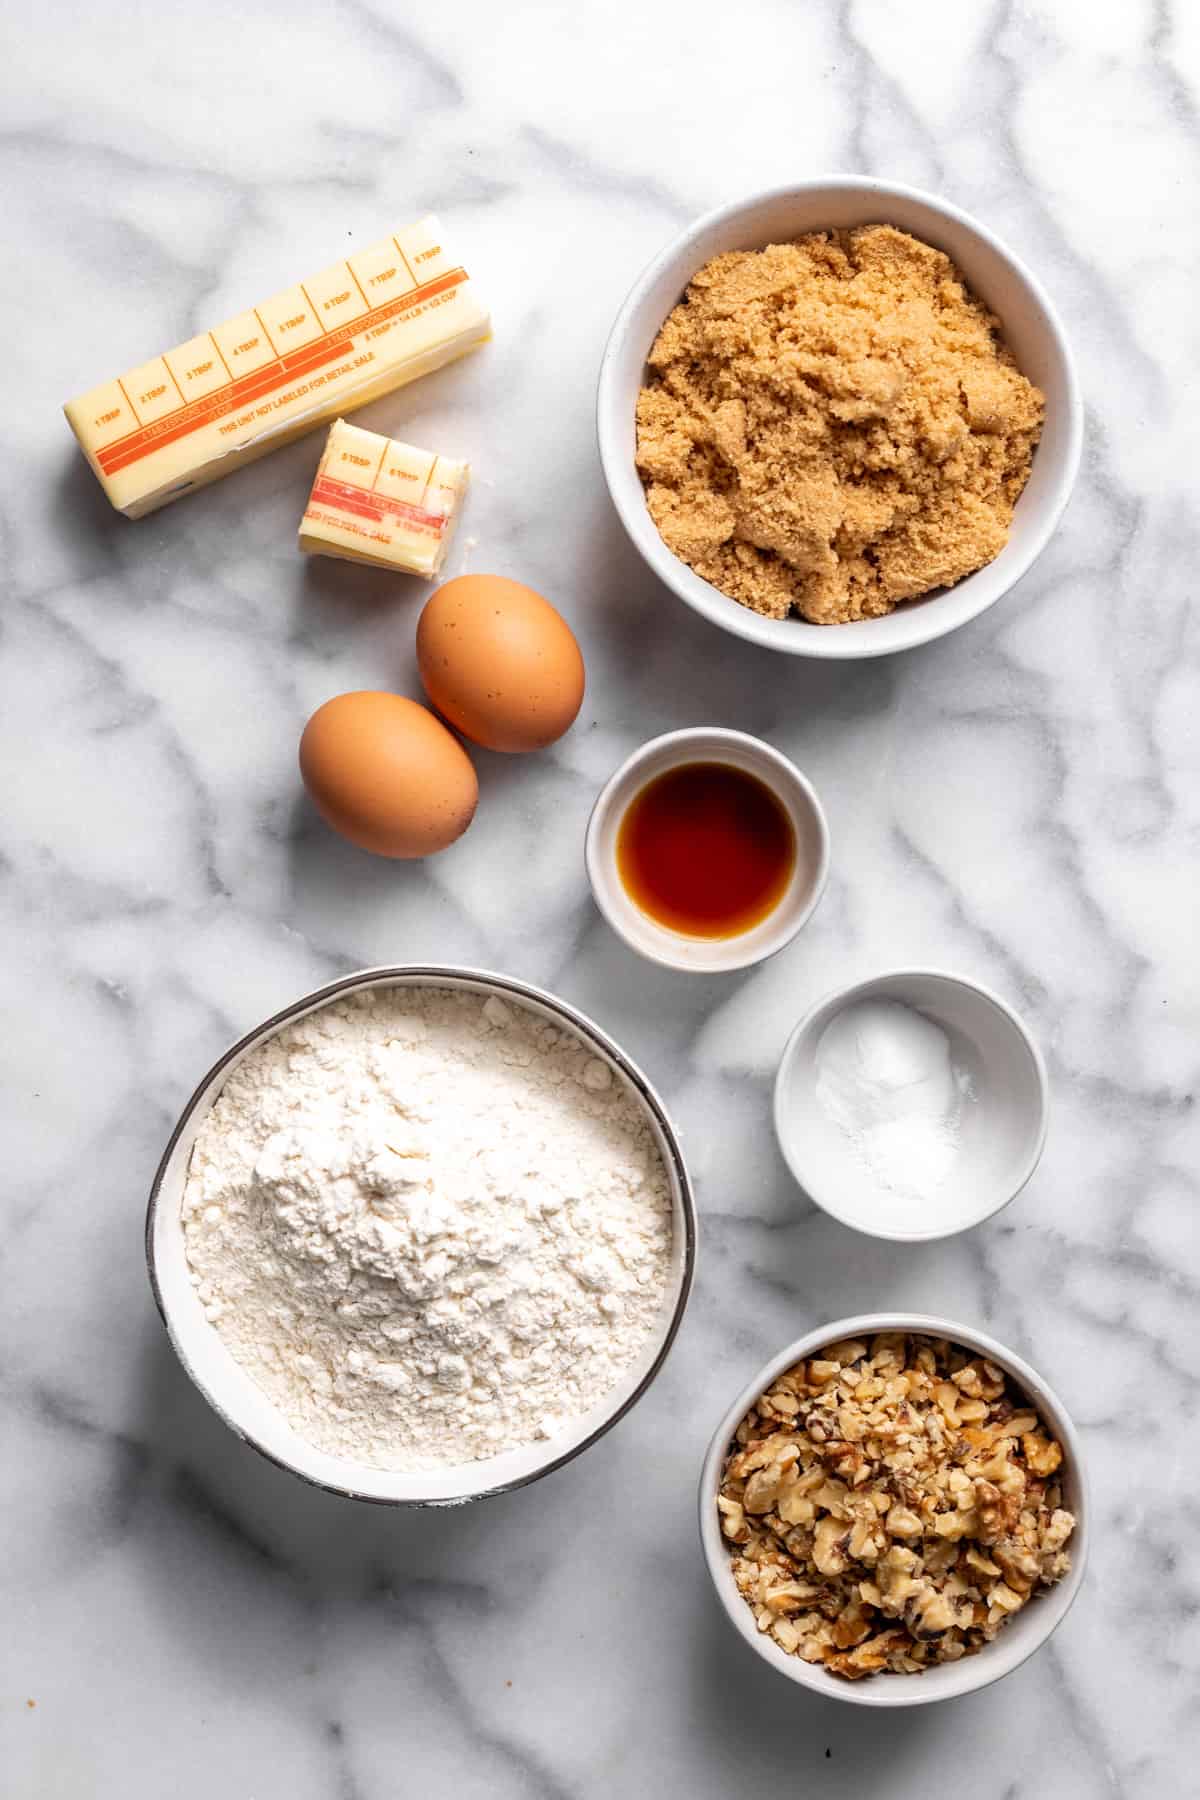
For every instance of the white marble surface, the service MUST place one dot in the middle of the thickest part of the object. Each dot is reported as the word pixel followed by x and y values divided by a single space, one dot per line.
pixel 1020 802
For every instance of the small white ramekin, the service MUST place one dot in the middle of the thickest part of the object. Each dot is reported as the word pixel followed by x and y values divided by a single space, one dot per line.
pixel 674 949
pixel 993 272
pixel 242 1404
pixel 1025 1632
pixel 1003 1123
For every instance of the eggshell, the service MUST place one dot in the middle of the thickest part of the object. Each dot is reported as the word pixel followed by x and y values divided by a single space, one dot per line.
pixel 387 775
pixel 499 663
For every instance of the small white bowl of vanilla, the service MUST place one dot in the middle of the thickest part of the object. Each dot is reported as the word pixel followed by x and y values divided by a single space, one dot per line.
pixel 911 1106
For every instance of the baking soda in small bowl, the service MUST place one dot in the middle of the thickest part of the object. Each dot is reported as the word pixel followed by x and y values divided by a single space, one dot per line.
pixel 886 1076
pixel 911 1105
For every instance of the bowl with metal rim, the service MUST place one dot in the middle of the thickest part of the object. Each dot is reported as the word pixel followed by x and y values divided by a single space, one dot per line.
pixel 245 1407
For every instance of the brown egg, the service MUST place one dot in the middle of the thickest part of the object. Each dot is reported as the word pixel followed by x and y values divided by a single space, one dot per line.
pixel 387 775
pixel 499 663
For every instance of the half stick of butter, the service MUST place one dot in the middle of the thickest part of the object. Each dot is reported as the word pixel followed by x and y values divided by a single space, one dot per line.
pixel 382 502
pixel 331 343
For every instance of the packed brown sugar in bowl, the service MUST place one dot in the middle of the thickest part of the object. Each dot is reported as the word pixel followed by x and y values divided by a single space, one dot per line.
pixel 833 426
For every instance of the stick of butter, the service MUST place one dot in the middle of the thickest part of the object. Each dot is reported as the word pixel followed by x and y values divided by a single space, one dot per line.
pixel 331 343
pixel 382 502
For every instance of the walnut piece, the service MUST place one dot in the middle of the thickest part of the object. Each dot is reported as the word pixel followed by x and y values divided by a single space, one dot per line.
pixel 890 1506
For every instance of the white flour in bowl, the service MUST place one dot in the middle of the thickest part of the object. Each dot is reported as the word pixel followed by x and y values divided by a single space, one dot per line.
pixel 431 1227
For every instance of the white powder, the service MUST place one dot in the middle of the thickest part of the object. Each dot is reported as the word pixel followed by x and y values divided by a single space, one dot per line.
pixel 430 1228
pixel 886 1077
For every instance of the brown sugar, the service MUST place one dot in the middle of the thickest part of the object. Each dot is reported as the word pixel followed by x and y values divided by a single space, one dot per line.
pixel 833 426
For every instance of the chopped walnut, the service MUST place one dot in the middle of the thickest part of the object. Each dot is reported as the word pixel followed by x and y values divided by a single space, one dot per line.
pixel 889 1506
pixel 1042 1455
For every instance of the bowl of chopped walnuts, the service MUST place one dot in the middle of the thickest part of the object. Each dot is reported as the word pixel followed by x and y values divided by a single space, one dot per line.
pixel 895 1497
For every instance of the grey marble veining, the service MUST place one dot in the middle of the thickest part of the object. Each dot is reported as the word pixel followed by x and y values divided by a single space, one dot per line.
pixel 1021 802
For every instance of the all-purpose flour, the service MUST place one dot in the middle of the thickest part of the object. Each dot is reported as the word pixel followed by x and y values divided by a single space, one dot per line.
pixel 430 1227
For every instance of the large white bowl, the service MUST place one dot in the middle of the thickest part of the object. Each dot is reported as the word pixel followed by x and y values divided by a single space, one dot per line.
pixel 244 1407
pixel 996 276
pixel 1024 1633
